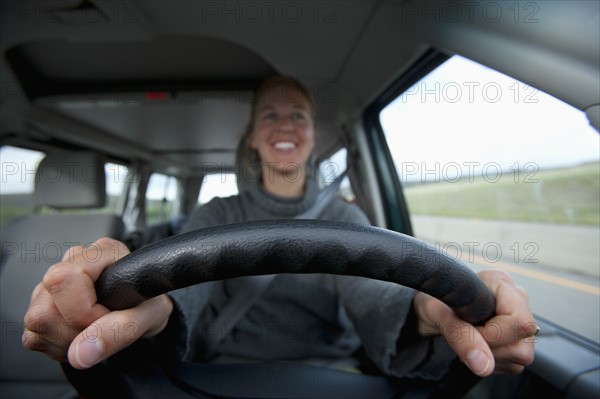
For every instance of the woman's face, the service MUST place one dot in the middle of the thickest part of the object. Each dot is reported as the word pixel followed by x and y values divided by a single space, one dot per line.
pixel 283 133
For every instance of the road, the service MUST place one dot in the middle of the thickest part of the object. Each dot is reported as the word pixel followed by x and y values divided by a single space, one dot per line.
pixel 559 267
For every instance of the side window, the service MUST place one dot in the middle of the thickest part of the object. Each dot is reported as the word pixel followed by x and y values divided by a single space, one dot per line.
pixel 18 177
pixel 161 195
pixel 217 185
pixel 331 168
pixel 18 184
pixel 116 177
pixel 504 176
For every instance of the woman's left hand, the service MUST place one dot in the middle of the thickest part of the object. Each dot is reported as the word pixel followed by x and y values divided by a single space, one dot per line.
pixel 504 344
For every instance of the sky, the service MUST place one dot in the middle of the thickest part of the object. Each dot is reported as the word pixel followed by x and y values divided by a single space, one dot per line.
pixel 466 114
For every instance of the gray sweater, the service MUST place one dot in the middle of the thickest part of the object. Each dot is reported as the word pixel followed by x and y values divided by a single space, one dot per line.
pixel 316 319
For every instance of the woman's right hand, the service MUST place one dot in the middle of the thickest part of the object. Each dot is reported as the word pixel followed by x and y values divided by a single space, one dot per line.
pixel 65 322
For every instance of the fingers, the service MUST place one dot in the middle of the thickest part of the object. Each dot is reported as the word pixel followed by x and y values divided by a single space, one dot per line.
pixel 493 277
pixel 514 320
pixel 514 357
pixel 437 318
pixel 65 302
pixel 37 342
pixel 44 324
pixel 503 344
pixel 523 293
pixel 479 347
pixel 117 330
pixel 468 344
pixel 74 277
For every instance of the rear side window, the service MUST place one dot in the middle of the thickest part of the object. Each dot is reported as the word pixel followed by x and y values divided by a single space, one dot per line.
pixel 331 168
pixel 18 184
pixel 504 176
pixel 161 196
pixel 217 185
pixel 117 176
pixel 18 177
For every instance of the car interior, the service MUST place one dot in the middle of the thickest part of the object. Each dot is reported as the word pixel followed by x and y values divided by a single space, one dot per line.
pixel 122 117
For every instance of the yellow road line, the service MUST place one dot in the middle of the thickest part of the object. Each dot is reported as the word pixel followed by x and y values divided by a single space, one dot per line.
pixel 576 285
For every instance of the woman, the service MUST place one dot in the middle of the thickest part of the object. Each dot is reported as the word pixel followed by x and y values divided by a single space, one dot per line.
pixel 315 319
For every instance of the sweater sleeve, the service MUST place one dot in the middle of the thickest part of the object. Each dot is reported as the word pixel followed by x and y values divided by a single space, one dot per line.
pixel 383 316
pixel 384 319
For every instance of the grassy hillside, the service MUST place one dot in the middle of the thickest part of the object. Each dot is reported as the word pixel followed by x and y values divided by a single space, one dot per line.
pixel 570 195
pixel 15 205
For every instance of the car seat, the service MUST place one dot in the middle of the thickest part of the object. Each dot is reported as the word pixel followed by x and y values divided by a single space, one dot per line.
pixel 30 245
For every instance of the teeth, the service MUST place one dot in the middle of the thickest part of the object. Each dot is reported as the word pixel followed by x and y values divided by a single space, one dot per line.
pixel 285 145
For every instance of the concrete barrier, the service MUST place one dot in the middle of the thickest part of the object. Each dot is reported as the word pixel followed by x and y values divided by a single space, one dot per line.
pixel 563 247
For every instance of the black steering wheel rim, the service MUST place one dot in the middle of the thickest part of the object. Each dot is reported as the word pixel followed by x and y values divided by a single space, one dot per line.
pixel 294 246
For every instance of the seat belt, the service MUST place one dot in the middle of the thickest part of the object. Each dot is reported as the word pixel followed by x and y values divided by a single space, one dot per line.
pixel 244 298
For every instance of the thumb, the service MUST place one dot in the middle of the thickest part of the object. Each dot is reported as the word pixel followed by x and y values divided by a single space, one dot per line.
pixel 469 345
pixel 117 330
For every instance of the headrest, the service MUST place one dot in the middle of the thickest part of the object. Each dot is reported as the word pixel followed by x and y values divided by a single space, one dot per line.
pixel 71 180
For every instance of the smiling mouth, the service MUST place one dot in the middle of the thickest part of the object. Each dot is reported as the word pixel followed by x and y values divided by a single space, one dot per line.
pixel 285 145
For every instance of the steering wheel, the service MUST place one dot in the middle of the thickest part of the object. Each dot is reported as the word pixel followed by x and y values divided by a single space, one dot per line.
pixel 289 246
